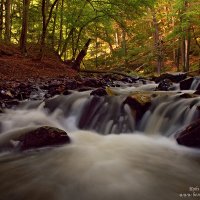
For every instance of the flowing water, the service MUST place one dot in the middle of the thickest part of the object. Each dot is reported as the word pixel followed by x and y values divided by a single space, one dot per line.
pixel 110 156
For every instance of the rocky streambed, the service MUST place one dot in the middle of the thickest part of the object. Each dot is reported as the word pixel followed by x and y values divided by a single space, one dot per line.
pixel 139 96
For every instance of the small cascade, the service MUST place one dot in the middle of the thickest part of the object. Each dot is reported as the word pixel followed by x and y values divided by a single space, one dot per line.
pixel 195 83
pixel 168 114
pixel 104 115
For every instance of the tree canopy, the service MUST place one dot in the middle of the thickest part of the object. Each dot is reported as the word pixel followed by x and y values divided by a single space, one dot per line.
pixel 125 34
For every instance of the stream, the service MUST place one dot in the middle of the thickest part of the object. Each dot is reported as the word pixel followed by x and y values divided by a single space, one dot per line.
pixel 110 157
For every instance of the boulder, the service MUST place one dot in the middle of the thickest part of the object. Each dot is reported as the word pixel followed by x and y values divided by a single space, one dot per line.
pixel 174 77
pixel 42 137
pixel 165 85
pixel 71 85
pixel 190 137
pixel 88 83
pixel 99 92
pixel 139 103
pixel 197 92
pixel 186 84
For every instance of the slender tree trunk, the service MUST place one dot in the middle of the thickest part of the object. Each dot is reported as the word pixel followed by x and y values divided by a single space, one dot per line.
pixel 66 42
pixel 183 53
pixel 45 25
pixel 73 47
pixel 174 50
pixel 116 38
pixel 61 28
pixel 157 42
pixel 124 44
pixel 7 21
pixel 54 26
pixel 187 49
pixel 178 57
pixel 109 43
pixel 81 55
pixel 23 38
pixel 1 20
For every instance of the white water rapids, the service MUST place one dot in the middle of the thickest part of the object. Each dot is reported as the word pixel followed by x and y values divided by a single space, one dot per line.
pixel 143 162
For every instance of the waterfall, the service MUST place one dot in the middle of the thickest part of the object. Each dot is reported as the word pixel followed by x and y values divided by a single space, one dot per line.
pixel 195 83
pixel 110 156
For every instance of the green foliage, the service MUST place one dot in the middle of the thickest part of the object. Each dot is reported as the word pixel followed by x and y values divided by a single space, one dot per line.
pixel 105 22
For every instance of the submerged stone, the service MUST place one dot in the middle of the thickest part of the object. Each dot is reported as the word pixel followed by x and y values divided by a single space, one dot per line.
pixel 42 137
pixel 190 137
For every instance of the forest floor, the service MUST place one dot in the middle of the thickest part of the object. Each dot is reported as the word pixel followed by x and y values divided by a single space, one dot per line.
pixel 14 65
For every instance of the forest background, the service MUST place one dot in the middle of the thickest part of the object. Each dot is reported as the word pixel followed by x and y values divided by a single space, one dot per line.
pixel 143 37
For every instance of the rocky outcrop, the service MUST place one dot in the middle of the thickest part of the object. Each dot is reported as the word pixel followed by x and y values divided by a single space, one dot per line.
pixel 43 137
pixel 186 84
pixel 186 96
pixel 99 92
pixel 174 77
pixel 139 103
pixel 165 85
pixel 190 137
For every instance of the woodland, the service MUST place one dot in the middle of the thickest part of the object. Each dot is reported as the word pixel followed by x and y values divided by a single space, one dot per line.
pixel 139 37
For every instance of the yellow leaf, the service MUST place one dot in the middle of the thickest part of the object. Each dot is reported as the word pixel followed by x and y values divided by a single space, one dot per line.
pixel 110 92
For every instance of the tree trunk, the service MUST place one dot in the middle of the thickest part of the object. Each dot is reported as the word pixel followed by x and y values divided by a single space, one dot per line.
pixel 61 28
pixel 183 53
pixel 174 50
pixel 178 59
pixel 54 26
pixel 45 25
pixel 124 44
pixel 117 38
pixel 109 43
pixel 187 49
pixel 7 21
pixel 157 42
pixel 66 42
pixel 81 55
pixel 1 19
pixel 23 38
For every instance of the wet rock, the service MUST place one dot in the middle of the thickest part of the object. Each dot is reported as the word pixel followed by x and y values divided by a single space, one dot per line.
pixel 190 137
pixel 88 83
pixel 197 92
pixel 186 84
pixel 42 137
pixel 66 92
pixel 139 104
pixel 84 89
pixel 4 94
pixel 112 77
pixel 94 81
pixel 71 85
pixel 22 86
pixel 165 85
pixel 78 78
pixel 174 77
pixel 52 92
pixel 99 92
pixel 22 95
pixel 12 103
pixel 186 95
pixel 126 80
